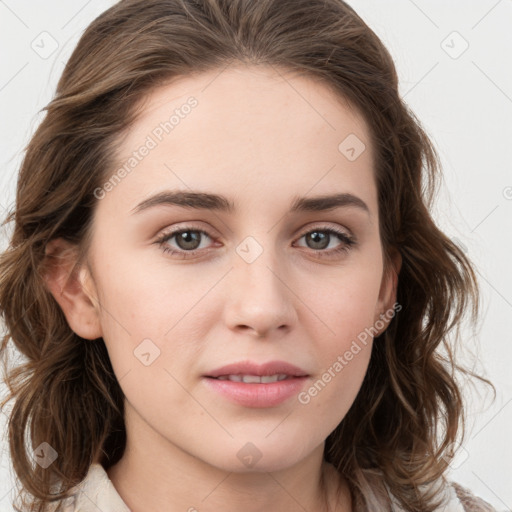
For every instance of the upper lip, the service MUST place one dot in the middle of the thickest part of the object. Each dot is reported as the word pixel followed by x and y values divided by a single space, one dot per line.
pixel 263 369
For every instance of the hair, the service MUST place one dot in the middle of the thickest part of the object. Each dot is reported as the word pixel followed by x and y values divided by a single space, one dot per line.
pixel 408 413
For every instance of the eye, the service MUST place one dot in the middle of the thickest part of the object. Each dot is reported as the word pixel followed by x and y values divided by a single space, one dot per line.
pixel 320 239
pixel 188 241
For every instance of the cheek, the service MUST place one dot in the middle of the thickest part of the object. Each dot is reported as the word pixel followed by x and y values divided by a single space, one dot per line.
pixel 333 390
pixel 146 316
pixel 348 309
pixel 347 303
pixel 145 300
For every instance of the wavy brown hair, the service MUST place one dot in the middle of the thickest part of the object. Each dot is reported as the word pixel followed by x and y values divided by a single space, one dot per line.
pixel 409 411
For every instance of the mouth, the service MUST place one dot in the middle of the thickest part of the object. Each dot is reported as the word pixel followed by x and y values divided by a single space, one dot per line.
pixel 257 385
pixel 255 379
pixel 251 372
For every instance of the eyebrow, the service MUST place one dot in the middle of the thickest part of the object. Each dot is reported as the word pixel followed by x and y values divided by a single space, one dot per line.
pixel 207 201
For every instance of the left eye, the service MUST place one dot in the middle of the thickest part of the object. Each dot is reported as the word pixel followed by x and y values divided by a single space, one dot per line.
pixel 321 238
pixel 188 241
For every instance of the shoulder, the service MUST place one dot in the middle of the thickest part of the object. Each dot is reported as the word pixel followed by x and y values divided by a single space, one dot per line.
pixel 469 501
pixel 453 497
pixel 95 492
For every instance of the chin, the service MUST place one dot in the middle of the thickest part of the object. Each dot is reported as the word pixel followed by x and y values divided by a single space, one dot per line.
pixel 260 455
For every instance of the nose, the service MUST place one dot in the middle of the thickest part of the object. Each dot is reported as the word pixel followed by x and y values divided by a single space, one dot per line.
pixel 260 297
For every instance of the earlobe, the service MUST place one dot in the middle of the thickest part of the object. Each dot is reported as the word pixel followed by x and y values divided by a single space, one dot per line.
pixel 69 287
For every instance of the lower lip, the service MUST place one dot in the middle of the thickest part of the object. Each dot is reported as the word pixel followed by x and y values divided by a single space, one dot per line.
pixel 257 395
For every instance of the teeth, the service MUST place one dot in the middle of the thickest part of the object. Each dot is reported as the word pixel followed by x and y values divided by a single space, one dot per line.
pixel 251 379
pixel 255 379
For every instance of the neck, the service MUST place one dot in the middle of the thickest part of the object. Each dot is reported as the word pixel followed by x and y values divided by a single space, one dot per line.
pixel 158 475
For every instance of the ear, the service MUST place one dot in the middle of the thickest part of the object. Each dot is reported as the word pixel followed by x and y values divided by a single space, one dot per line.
pixel 385 309
pixel 74 290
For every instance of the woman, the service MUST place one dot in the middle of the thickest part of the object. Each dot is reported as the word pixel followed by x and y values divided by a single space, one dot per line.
pixel 225 276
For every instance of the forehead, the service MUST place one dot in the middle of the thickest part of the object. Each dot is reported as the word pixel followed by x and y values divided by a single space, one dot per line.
pixel 238 94
pixel 244 129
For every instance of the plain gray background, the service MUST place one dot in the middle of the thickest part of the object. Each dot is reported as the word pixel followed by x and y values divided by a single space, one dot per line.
pixel 454 62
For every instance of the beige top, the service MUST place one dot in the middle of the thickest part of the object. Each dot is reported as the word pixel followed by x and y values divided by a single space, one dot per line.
pixel 96 492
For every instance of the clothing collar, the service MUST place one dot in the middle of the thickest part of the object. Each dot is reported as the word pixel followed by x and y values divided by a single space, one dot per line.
pixel 96 492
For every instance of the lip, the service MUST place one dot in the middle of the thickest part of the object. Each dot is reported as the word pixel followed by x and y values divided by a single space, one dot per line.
pixel 263 369
pixel 255 394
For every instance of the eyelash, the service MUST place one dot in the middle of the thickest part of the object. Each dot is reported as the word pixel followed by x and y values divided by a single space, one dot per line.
pixel 347 242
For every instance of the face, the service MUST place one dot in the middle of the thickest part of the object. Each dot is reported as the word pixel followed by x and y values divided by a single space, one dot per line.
pixel 267 273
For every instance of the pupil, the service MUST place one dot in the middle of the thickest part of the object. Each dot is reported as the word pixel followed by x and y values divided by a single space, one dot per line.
pixel 319 238
pixel 190 239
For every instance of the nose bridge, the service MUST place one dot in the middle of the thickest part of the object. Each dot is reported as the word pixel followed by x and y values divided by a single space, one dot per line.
pixel 257 264
pixel 259 297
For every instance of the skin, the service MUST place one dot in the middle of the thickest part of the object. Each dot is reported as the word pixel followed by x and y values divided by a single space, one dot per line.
pixel 261 138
